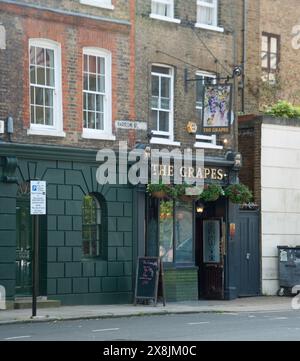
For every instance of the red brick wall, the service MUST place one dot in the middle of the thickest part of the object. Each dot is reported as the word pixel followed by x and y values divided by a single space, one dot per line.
pixel 73 33
pixel 250 147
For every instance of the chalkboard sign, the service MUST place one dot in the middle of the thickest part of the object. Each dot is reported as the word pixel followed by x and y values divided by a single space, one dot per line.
pixel 149 279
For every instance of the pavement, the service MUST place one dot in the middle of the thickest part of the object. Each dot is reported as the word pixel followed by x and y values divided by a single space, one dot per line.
pixel 256 304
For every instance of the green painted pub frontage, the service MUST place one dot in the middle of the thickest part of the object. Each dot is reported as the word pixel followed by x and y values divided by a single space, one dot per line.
pixel 87 240
pixel 92 235
pixel 197 240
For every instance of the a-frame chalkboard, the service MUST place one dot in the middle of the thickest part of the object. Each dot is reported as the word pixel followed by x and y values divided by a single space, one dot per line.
pixel 149 283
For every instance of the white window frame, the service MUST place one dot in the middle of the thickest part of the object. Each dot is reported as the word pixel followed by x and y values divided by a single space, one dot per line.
pixel 105 4
pixel 55 130
pixel 213 5
pixel 206 141
pixel 170 18
pixel 159 136
pixel 105 134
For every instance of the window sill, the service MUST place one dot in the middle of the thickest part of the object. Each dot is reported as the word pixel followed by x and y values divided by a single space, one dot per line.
pixel 204 145
pixel 46 132
pixel 209 27
pixel 162 141
pixel 165 18
pixel 90 134
pixel 96 4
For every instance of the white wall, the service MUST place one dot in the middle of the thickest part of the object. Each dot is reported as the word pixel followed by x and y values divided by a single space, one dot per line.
pixel 280 166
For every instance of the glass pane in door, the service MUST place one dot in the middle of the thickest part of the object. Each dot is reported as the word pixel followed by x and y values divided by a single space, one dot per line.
pixel 24 250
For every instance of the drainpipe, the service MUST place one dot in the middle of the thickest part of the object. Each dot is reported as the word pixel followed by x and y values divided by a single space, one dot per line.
pixel 244 59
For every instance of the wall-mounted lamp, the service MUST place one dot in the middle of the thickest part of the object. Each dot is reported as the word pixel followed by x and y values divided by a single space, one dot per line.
pixel 200 208
pixel 237 71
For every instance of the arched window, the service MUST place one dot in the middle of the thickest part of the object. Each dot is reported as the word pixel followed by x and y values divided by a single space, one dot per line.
pixel 92 227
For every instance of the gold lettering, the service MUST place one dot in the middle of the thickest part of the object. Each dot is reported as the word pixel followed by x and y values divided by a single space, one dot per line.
pixel 213 173
pixel 163 171
pixel 155 169
pixel 200 173
pixel 191 172
pixel 171 171
pixel 207 172
pixel 183 172
pixel 220 173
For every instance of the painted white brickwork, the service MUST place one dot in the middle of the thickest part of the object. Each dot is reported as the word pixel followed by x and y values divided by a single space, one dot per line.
pixel 280 197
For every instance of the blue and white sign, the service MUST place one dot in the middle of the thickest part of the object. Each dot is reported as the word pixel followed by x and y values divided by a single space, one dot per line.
pixel 37 198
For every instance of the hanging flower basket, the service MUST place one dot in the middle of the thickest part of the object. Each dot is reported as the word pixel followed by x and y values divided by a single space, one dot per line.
pixel 212 193
pixel 159 191
pixel 181 192
pixel 159 194
pixel 239 194
pixel 188 199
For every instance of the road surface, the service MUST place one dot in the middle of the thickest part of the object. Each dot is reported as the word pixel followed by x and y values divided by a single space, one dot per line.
pixel 197 327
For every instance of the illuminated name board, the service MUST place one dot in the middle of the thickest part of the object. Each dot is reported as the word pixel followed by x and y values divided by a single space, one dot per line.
pixel 189 172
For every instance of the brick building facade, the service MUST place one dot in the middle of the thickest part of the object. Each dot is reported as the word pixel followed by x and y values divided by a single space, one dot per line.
pixel 269 144
pixel 283 32
pixel 173 42
pixel 69 71
pixel 56 54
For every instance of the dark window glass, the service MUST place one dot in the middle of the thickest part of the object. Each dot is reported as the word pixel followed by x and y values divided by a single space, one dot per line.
pixel 270 55
pixel 91 227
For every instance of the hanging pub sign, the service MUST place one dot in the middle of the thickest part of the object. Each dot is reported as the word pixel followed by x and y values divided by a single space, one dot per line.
pixel 217 109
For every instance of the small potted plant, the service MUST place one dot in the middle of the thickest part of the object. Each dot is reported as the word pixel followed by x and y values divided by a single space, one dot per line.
pixel 239 193
pixel 212 193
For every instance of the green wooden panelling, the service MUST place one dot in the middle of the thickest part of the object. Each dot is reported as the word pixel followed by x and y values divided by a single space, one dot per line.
pixel 88 269
pixel 77 254
pixel 109 284
pixel 70 278
pixel 73 269
pixel 56 270
pixel 80 285
pixel 64 223
pixel 51 286
pixel 64 192
pixel 101 268
pixel 52 254
pixel 181 284
pixel 124 284
pixel 95 285
pixel 8 238
pixel 52 223
pixel 55 238
pixel 64 286
pixel 64 254
pixel 125 224
pixel 115 269
pixel 7 205
pixel 124 253
pixel 115 239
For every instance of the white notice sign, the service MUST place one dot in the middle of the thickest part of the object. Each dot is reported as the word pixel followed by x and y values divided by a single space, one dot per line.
pixel 37 198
